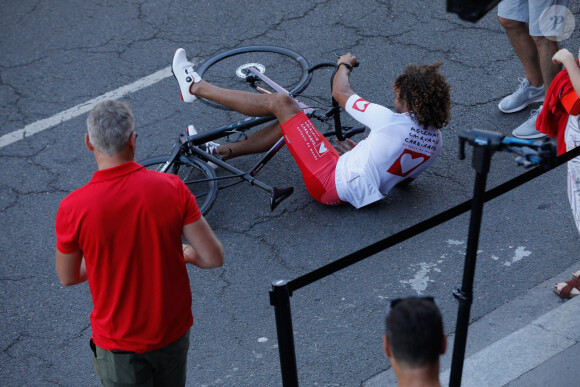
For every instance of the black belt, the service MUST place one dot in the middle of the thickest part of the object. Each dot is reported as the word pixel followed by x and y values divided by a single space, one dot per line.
pixel 115 351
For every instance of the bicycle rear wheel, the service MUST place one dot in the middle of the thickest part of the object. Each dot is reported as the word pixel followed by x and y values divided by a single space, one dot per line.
pixel 287 68
pixel 196 174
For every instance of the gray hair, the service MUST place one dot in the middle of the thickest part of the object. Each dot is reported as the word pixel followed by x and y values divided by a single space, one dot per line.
pixel 110 125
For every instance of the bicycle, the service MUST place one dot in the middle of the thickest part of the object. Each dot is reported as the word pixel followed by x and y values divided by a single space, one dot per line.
pixel 189 157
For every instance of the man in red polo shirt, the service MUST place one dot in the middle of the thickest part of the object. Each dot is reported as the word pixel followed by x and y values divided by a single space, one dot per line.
pixel 122 232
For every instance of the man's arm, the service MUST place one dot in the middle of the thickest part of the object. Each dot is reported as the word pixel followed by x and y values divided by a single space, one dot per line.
pixel 205 250
pixel 71 268
pixel 341 89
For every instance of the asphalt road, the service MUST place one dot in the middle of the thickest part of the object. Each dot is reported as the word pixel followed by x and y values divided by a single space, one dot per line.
pixel 56 56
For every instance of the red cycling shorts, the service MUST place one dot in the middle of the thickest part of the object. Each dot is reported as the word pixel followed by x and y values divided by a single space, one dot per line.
pixel 315 157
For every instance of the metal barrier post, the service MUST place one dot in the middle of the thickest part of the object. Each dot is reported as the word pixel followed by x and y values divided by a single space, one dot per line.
pixel 280 300
pixel 484 145
pixel 465 294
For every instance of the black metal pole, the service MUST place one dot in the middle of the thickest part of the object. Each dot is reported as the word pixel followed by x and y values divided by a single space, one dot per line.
pixel 481 161
pixel 280 300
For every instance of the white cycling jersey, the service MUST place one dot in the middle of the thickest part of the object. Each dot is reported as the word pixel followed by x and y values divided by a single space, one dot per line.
pixel 396 148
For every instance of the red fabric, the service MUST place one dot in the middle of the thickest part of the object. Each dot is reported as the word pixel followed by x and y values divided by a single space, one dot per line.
pixel 553 117
pixel 315 157
pixel 127 221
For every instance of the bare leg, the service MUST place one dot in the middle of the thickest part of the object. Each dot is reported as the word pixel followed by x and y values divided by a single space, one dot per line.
pixel 546 50
pixel 252 104
pixel 524 46
pixel 257 142
pixel 281 105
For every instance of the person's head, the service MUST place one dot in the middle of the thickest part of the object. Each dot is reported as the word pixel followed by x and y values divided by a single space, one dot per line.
pixel 425 94
pixel 414 332
pixel 110 127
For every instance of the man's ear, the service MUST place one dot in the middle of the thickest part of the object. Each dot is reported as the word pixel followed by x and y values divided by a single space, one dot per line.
pixel 386 346
pixel 444 345
pixel 88 143
pixel 133 141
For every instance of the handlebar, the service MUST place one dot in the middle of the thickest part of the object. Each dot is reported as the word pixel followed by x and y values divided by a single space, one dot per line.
pixel 319 116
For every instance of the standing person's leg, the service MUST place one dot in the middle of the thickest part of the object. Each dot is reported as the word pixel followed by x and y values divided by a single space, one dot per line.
pixel 546 47
pixel 513 15
pixel 524 46
pixel 170 363
pixel 122 369
pixel 547 25
pixel 546 50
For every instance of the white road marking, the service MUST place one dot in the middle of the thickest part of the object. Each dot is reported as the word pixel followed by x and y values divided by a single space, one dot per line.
pixel 520 254
pixel 421 280
pixel 454 242
pixel 47 123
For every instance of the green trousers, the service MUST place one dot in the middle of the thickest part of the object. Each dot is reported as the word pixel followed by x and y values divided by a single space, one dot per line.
pixel 163 367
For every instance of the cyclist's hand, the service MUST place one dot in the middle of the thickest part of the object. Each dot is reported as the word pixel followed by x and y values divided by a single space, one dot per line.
pixel 343 147
pixel 347 58
pixel 564 57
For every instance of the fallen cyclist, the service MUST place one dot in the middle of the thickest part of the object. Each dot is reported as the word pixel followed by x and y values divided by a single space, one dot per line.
pixel 401 144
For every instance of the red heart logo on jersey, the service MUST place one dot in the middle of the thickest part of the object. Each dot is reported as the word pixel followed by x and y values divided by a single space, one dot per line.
pixel 407 162
pixel 360 105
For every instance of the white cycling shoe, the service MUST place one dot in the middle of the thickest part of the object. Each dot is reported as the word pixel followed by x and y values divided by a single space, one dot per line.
pixel 183 71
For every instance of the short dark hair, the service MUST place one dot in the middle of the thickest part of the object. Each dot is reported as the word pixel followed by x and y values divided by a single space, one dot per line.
pixel 414 328
pixel 426 94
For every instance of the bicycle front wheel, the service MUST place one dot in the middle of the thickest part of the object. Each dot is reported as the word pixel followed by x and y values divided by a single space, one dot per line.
pixel 196 174
pixel 287 68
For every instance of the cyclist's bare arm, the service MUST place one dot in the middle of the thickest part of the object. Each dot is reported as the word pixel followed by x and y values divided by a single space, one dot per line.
pixel 204 249
pixel 341 89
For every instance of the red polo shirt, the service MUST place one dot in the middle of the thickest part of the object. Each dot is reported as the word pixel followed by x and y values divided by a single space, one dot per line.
pixel 127 221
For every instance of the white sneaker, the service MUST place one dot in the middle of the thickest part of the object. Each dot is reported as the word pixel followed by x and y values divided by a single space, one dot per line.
pixel 527 130
pixel 211 147
pixel 524 95
pixel 183 71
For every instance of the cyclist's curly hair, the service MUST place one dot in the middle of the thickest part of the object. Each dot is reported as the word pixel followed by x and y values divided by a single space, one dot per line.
pixel 426 94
